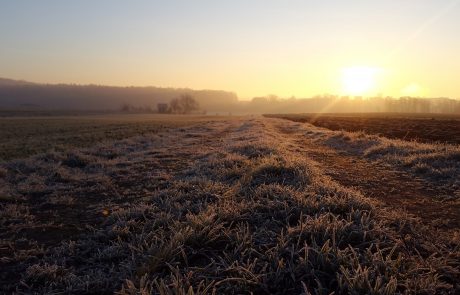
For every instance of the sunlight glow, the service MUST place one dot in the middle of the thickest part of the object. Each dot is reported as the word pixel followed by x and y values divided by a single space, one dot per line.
pixel 359 80
pixel 412 89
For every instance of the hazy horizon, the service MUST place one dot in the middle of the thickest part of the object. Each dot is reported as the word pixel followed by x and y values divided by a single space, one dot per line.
pixel 292 48
pixel 18 83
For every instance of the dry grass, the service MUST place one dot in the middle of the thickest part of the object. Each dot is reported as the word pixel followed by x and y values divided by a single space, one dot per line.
pixel 434 162
pixel 214 208
pixel 428 128
pixel 27 136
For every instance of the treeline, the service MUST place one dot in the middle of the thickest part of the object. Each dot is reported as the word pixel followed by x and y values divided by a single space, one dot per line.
pixel 341 104
pixel 94 97
pixel 24 95
pixel 185 104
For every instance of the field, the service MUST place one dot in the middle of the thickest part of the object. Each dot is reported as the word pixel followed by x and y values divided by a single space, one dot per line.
pixel 420 127
pixel 223 205
pixel 26 136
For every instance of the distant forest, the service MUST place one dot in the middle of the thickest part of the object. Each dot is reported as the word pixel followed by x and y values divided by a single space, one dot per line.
pixel 94 97
pixel 344 104
pixel 16 95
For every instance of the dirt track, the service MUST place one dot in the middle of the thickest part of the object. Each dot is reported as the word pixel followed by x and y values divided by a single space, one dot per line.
pixel 434 128
pixel 395 188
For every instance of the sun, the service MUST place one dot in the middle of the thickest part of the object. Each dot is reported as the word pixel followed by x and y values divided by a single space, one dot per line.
pixel 359 80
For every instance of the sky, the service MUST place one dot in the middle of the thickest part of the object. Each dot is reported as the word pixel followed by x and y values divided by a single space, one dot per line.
pixel 251 47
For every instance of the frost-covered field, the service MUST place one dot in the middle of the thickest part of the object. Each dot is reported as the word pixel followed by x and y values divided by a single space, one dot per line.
pixel 26 136
pixel 433 162
pixel 227 207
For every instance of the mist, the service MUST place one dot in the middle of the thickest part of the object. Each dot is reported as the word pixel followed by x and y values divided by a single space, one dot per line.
pixel 22 95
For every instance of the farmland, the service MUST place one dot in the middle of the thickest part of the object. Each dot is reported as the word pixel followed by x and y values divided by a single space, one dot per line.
pixel 224 205
pixel 420 127
pixel 26 136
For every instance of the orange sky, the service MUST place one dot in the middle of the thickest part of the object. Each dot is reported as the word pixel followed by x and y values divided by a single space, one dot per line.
pixel 286 48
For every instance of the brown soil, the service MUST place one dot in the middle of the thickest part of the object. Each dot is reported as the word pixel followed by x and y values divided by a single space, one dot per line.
pixel 395 188
pixel 424 129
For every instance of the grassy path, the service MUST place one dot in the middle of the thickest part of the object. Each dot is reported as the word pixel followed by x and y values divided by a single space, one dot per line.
pixel 235 206
pixel 375 179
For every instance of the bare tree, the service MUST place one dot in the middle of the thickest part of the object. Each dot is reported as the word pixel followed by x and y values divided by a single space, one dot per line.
pixel 185 104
